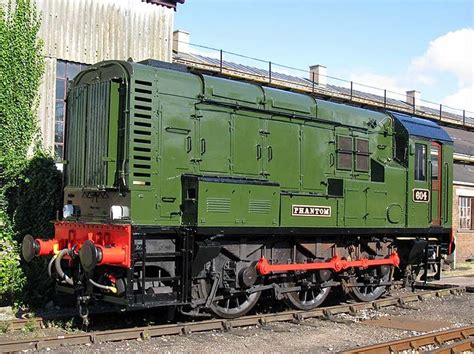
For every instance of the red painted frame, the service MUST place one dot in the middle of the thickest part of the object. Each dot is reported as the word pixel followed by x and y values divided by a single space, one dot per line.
pixel 113 240
pixel 336 264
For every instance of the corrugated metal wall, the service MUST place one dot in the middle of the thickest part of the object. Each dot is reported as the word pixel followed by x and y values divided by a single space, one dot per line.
pixel 46 107
pixel 89 31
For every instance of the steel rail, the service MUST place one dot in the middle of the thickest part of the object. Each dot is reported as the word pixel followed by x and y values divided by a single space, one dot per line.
pixel 217 324
pixel 463 340
pixel 433 286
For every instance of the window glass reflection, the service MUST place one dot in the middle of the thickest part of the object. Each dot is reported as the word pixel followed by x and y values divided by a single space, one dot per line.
pixel 61 69
pixel 60 89
pixel 420 162
pixel 58 152
pixel 65 71
pixel 59 132
pixel 434 163
pixel 59 111
pixel 72 70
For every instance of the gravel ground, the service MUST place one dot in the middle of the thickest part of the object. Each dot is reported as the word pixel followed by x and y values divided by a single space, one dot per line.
pixel 313 335
pixel 462 269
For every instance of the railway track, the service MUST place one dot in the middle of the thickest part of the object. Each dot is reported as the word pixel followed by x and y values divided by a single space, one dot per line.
pixel 449 341
pixel 217 324
pixel 21 323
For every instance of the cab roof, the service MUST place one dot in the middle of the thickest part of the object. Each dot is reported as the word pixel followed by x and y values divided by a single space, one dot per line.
pixel 422 127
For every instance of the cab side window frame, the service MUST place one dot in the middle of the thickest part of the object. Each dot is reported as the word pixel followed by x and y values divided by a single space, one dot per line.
pixel 344 150
pixel 420 170
pixel 434 158
pixel 352 153
pixel 362 155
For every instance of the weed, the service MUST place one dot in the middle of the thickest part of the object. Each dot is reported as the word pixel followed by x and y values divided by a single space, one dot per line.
pixel 30 326
pixel 68 325
pixel 4 326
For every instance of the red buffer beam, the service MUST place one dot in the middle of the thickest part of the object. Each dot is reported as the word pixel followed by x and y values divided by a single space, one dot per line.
pixel 336 264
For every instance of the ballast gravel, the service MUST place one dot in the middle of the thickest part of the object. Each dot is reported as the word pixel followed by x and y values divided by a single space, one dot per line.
pixel 312 335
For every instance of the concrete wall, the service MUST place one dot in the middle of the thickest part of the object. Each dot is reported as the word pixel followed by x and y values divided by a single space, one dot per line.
pixel 89 31
pixel 464 238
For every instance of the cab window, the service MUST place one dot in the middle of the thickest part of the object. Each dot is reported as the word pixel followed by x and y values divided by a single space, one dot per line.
pixel 420 162
pixel 434 162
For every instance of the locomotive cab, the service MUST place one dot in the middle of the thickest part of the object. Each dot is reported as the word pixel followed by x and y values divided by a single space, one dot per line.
pixel 426 150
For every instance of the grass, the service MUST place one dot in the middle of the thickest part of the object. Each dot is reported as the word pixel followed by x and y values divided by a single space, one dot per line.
pixel 67 326
pixel 4 325
pixel 30 326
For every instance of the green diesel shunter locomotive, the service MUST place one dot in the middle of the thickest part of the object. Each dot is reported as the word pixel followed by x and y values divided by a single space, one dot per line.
pixel 198 192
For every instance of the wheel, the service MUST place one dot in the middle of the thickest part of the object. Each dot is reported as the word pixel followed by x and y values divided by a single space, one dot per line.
pixel 306 299
pixel 235 306
pixel 371 291
pixel 231 306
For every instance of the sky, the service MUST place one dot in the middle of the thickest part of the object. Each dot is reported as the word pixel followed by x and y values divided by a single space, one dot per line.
pixel 425 45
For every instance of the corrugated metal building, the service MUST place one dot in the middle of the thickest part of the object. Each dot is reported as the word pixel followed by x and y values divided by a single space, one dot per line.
pixel 82 32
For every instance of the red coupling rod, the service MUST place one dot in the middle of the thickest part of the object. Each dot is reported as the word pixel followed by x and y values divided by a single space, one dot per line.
pixel 336 264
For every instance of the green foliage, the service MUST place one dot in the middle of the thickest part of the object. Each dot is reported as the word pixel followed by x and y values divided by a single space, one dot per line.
pixel 35 198
pixel 32 204
pixel 4 326
pixel 11 275
pixel 21 68
pixel 30 326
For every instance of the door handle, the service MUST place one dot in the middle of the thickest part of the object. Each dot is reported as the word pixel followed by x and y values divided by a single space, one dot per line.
pixel 270 153
pixel 259 151
pixel 203 146
pixel 189 145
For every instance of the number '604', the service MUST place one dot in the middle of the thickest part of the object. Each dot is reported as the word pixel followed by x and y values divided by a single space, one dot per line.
pixel 421 195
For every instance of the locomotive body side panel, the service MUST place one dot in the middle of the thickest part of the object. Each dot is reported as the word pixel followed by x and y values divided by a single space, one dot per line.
pixel 176 123
pixel 230 202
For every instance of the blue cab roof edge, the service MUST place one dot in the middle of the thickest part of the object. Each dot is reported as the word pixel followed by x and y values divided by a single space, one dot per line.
pixel 422 127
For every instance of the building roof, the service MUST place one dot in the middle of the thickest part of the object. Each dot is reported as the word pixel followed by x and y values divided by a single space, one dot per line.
pixel 463 173
pixel 333 92
pixel 168 3
pixel 463 140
